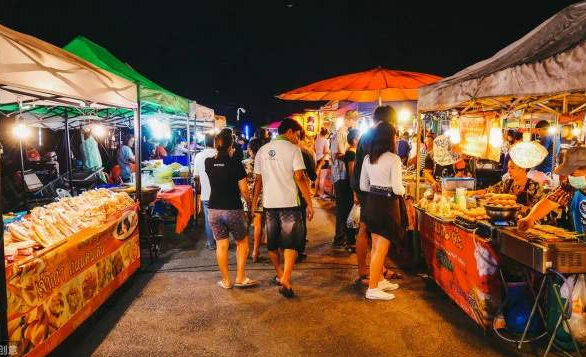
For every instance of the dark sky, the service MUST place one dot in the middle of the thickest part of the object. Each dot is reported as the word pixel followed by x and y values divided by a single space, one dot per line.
pixel 226 54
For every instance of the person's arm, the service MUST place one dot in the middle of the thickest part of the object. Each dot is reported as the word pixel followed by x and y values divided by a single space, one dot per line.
pixel 428 175
pixel 309 166
pixel 364 179
pixel 397 176
pixel 301 181
pixel 243 186
pixel 540 210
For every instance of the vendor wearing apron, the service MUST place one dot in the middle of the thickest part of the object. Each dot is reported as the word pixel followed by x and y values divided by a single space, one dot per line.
pixel 570 194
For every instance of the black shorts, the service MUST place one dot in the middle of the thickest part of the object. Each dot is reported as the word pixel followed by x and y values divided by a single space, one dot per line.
pixel 284 227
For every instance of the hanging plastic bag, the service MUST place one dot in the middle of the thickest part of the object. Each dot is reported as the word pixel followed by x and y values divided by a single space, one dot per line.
pixel 353 220
pixel 577 321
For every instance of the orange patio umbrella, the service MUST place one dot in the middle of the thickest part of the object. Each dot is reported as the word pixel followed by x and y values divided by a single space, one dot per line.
pixel 376 84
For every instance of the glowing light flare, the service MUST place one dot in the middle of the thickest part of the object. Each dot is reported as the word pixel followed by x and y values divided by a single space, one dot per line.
pixel 552 130
pixel 160 130
pixel 21 131
pixel 495 137
pixel 454 135
pixel 576 131
pixel 404 115
pixel 339 123
pixel 99 130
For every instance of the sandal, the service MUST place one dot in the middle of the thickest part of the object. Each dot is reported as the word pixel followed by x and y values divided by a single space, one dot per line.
pixel 222 285
pixel 286 292
pixel 275 280
pixel 246 283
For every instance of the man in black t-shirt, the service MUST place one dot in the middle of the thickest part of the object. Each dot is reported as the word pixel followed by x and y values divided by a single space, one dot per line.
pixel 226 213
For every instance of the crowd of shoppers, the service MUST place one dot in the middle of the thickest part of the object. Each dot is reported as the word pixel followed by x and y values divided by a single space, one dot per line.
pixel 271 190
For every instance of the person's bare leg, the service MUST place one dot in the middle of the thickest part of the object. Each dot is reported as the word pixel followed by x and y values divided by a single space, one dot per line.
pixel 275 259
pixel 222 258
pixel 290 257
pixel 241 256
pixel 380 247
pixel 362 250
pixel 257 222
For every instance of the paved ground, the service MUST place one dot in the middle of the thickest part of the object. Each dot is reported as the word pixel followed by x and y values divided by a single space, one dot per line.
pixel 175 309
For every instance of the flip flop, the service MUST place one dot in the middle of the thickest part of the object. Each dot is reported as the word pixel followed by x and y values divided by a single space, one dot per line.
pixel 247 283
pixel 286 292
pixel 275 280
pixel 222 285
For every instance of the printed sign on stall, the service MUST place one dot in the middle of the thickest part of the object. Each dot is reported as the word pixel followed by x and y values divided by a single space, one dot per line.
pixel 50 295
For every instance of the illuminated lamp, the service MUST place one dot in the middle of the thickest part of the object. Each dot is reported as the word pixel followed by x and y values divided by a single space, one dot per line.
pixel 20 131
pixel 528 154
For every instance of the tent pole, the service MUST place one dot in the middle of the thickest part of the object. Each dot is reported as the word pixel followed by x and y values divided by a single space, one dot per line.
pixel 189 143
pixel 418 158
pixel 3 290
pixel 138 146
pixel 22 174
pixel 68 161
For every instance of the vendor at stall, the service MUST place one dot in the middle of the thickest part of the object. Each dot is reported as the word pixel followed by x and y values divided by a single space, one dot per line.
pixel 126 158
pixel 569 195
pixel 528 192
pixel 90 152
pixel 180 149
pixel 440 161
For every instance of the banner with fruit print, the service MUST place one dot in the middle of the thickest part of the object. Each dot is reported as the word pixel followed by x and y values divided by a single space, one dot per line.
pixel 52 293
pixel 464 265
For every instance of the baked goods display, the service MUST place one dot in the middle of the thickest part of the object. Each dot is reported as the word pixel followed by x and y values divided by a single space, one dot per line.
pixel 48 225
pixel 473 215
pixel 500 200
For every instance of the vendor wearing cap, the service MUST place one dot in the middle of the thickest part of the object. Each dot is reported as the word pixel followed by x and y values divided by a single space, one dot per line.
pixel 440 161
pixel 571 194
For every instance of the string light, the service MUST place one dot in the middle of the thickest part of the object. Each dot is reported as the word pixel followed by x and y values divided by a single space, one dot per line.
pixel 20 131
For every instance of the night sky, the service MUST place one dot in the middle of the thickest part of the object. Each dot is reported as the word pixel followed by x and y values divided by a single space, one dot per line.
pixel 230 54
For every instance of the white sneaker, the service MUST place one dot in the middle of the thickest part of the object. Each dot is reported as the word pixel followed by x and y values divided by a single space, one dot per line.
pixel 378 294
pixel 387 285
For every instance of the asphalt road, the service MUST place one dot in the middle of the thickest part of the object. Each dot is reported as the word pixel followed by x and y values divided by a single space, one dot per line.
pixel 174 308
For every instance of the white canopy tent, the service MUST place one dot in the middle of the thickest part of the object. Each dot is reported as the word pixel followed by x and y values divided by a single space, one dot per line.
pixel 36 70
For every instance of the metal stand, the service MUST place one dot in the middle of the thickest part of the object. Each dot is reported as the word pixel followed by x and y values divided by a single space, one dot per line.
pixel 549 280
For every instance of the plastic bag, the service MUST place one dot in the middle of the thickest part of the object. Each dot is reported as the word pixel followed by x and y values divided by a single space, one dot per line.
pixel 353 220
pixel 577 321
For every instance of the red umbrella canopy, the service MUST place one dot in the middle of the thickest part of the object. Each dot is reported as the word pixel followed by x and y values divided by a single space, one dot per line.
pixel 376 84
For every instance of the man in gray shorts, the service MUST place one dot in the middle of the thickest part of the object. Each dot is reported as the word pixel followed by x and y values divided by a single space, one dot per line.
pixel 279 171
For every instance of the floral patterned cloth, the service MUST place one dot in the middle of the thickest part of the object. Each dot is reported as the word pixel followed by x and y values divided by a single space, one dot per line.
pixel 528 196
pixel 562 195
pixel 250 178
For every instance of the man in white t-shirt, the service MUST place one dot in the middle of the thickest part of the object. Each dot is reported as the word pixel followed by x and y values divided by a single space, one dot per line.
pixel 279 171
pixel 204 181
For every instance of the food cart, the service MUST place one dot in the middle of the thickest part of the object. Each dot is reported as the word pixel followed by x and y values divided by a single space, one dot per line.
pixel 64 259
pixel 539 75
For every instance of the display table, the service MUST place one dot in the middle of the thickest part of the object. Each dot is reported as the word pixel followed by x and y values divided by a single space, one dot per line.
pixel 181 197
pixel 55 290
pixel 463 264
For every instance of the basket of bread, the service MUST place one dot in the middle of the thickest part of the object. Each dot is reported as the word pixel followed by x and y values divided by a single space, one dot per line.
pixel 500 206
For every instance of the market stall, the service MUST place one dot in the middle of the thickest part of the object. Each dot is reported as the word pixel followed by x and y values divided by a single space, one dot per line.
pixel 541 75
pixel 64 259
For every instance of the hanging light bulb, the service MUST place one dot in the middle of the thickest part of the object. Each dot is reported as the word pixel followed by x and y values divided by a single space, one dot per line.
pixel 576 131
pixel 99 130
pixel 552 130
pixel 454 132
pixel 20 131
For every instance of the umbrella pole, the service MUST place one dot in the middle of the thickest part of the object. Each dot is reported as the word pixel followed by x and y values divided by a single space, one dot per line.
pixel 380 99
pixel 3 290
pixel 417 162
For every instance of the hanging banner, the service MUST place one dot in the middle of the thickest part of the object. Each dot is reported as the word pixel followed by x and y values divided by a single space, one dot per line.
pixel 475 136
pixel 51 294
pixel 464 265
pixel 220 121
pixel 201 113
